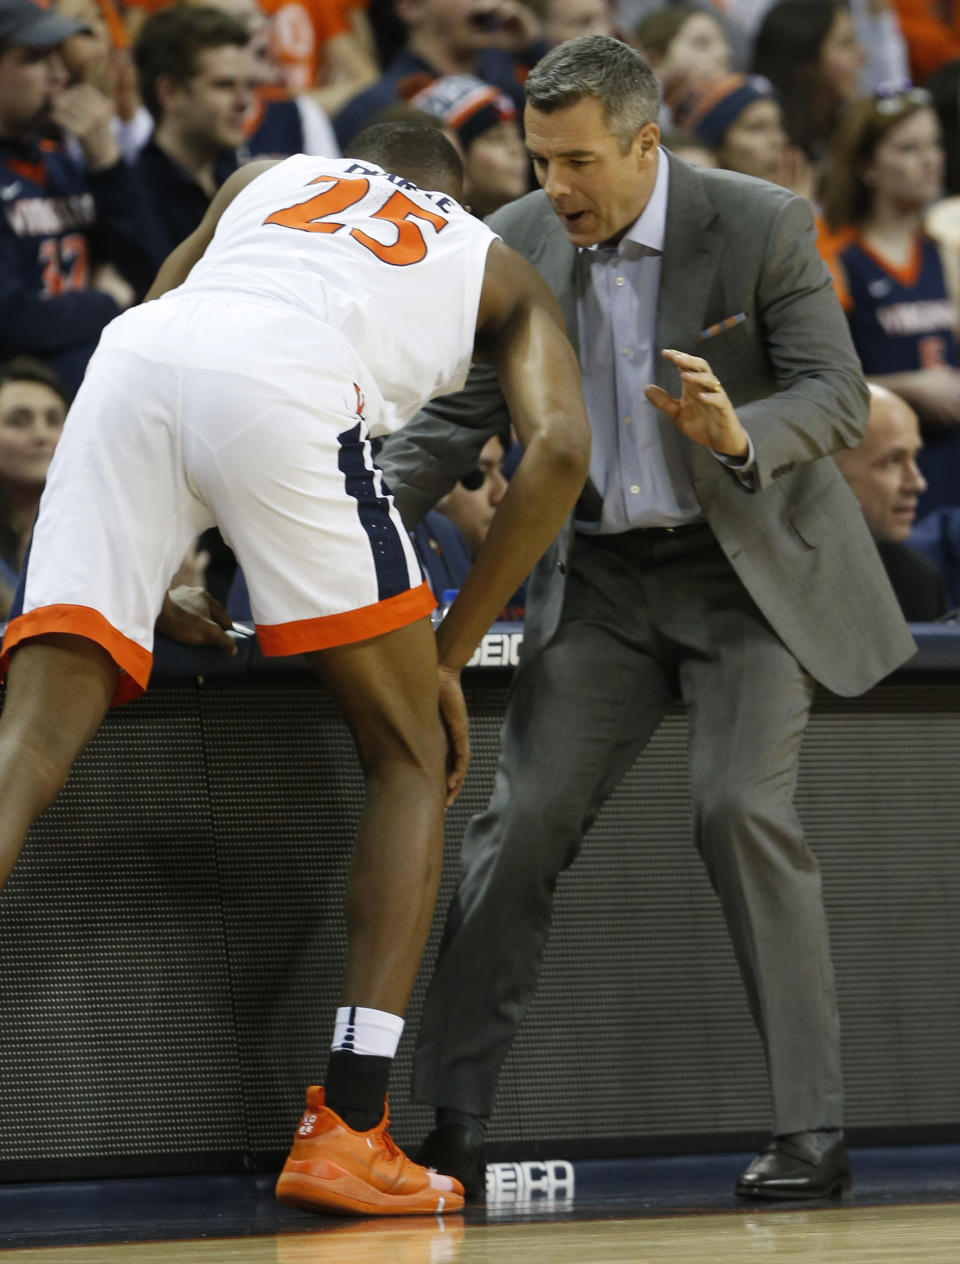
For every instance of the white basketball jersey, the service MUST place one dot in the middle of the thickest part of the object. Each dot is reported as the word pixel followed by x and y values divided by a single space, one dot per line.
pixel 396 270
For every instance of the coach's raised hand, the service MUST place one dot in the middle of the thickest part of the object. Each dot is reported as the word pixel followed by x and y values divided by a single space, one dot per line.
pixel 703 412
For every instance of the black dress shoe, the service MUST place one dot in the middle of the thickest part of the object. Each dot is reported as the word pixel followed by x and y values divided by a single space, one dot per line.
pixel 801 1165
pixel 454 1151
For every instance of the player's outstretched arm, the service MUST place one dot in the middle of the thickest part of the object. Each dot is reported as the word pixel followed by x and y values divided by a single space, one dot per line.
pixel 176 267
pixel 520 331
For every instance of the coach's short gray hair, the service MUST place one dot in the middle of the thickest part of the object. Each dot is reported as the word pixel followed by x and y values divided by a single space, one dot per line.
pixel 601 67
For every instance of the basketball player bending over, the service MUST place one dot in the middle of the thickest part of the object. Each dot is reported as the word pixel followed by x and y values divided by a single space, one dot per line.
pixel 319 304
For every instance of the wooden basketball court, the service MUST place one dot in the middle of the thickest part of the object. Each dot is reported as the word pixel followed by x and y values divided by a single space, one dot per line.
pixel 905 1209
pixel 871 1235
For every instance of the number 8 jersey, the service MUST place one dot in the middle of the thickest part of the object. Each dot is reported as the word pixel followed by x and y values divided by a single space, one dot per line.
pixel 396 270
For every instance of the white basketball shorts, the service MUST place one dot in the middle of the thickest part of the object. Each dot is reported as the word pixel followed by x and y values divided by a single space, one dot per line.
pixel 199 411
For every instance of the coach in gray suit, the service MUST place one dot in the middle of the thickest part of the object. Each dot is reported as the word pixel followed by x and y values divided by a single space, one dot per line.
pixel 717 555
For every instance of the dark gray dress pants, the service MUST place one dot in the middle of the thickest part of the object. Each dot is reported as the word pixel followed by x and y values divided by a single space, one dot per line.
pixel 646 618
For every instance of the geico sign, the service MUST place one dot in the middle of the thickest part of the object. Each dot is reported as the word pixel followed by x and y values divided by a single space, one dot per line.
pixel 498 649
pixel 516 1182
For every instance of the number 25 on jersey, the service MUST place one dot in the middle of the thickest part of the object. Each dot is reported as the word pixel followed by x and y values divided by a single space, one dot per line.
pixel 312 216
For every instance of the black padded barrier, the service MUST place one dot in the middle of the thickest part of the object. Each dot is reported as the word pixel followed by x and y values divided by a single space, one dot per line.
pixel 171 940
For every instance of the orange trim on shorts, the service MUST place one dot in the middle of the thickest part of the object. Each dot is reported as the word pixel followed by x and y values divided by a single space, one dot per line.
pixel 134 661
pixel 304 635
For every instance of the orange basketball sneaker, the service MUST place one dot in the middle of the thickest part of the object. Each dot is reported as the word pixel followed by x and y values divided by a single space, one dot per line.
pixel 334 1169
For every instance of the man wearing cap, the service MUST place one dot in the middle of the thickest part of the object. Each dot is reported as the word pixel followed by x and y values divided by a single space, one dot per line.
pixel 61 223
pixel 883 474
pixel 739 118
pixel 484 121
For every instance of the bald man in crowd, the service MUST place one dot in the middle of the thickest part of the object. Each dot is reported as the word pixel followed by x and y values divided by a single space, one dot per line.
pixel 883 474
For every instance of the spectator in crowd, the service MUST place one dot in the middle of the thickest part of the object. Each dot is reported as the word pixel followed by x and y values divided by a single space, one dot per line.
pixel 63 221
pixel 196 79
pixel 809 51
pixel 876 26
pixel 101 54
pixel 33 405
pixel 467 510
pixel 472 502
pixel 566 19
pixel 629 14
pixel 931 29
pixel 883 474
pixel 320 47
pixel 196 76
pixel 497 43
pixel 279 123
pixel 885 169
pixel 279 128
pixel 739 118
pixel 449 537
pixel 681 41
pixel 484 122
pixel 714 556
pixel 323 47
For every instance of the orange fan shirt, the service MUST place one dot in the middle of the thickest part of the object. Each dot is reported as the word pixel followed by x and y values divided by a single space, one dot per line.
pixel 298 30
pixel 931 29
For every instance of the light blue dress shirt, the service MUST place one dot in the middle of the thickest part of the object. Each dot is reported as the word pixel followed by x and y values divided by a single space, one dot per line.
pixel 636 463
pixel 636 459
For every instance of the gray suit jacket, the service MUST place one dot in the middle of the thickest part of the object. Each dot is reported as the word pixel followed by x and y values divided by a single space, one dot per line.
pixel 796 535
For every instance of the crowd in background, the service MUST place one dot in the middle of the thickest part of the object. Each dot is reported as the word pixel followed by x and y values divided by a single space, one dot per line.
pixel 118 122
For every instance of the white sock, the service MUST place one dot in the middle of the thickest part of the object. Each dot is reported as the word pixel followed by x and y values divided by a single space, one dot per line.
pixel 372 1032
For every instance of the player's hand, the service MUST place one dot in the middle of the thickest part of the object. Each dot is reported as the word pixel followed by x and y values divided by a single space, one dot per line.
pixel 193 617
pixel 453 713
pixel 703 412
